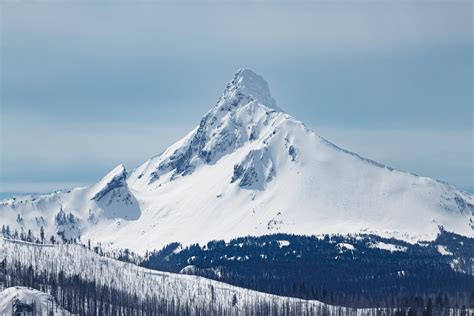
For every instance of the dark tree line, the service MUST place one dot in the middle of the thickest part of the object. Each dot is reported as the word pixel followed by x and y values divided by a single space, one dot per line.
pixel 418 276
pixel 29 236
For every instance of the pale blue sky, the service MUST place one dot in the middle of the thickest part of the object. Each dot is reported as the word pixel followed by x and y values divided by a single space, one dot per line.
pixel 86 86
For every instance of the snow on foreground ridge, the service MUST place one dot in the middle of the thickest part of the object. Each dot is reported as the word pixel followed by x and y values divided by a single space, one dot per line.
pixel 192 290
pixel 248 168
pixel 43 302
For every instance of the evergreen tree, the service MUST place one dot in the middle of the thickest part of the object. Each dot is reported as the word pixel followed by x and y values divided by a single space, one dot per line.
pixel 42 234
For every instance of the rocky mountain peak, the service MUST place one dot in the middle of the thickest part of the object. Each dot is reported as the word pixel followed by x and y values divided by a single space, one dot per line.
pixel 245 87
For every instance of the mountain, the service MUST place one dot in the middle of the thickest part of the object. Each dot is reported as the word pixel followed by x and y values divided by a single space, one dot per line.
pixel 248 168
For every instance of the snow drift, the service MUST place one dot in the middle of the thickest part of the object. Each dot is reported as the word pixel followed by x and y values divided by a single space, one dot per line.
pixel 42 303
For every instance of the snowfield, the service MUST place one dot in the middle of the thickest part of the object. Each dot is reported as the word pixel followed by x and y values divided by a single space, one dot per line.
pixel 388 247
pixel 248 168
pixel 193 290
pixel 444 251
pixel 43 301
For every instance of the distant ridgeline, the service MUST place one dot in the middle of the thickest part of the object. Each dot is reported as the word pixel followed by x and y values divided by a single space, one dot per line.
pixel 356 271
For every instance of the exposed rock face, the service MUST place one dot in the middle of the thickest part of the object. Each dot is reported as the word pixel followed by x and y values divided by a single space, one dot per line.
pixel 113 196
pixel 115 180
pixel 236 118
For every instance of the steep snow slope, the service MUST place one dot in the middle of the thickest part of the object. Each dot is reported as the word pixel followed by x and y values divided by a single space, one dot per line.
pixel 248 168
pixel 43 302
pixel 191 290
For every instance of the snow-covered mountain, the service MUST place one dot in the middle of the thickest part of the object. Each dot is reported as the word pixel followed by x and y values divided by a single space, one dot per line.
pixel 248 168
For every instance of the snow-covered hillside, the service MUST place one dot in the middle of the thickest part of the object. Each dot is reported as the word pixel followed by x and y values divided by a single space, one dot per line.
pixel 248 168
pixel 193 291
pixel 42 302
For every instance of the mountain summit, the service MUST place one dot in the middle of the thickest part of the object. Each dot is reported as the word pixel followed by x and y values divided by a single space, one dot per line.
pixel 245 87
pixel 248 169
pixel 239 116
